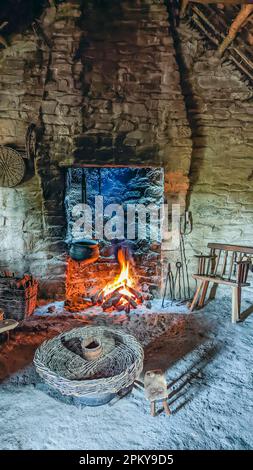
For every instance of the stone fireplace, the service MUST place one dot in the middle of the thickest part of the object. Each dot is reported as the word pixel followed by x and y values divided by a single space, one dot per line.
pixel 114 101
pixel 125 189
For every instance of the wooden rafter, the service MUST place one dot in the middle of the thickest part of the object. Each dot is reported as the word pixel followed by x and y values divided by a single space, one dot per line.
pixel 2 40
pixel 240 20
pixel 185 3
pixel 214 26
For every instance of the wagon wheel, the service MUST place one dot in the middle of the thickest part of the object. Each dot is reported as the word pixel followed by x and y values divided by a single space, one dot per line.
pixel 12 167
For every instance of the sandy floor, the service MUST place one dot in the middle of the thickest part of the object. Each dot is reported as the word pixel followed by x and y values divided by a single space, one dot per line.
pixel 208 362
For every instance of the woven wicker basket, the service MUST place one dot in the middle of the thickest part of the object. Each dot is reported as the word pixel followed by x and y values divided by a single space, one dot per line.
pixel 61 365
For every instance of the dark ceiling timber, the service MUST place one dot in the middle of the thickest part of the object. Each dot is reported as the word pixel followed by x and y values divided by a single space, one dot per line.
pixel 214 20
pixel 215 23
pixel 19 14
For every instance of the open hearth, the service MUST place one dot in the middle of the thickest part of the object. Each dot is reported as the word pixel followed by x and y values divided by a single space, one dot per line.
pixel 120 294
pixel 129 257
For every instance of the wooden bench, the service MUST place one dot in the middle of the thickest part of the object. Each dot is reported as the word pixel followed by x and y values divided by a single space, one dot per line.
pixel 228 265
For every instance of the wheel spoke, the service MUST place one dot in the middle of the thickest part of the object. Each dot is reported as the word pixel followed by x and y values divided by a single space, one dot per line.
pixel 12 167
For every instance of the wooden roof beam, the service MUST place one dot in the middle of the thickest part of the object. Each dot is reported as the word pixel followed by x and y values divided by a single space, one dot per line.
pixel 240 20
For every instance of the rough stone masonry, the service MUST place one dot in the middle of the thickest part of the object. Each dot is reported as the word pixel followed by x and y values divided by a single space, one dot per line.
pixel 114 86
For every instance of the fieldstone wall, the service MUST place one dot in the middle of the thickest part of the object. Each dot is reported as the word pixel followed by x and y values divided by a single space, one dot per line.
pixel 61 112
pixel 133 109
pixel 22 76
pixel 33 218
pixel 219 104
pixel 102 84
pixel 103 87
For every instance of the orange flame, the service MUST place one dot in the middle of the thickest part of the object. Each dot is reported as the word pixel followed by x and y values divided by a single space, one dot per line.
pixel 123 280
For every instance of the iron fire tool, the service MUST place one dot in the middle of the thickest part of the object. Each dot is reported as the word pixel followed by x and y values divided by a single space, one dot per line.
pixel 185 271
pixel 186 230
pixel 178 278
pixel 181 266
pixel 170 280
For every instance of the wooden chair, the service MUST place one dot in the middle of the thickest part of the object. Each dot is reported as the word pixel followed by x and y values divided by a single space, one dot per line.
pixel 228 265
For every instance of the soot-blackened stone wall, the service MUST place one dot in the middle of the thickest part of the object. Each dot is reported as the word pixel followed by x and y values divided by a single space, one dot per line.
pixel 101 82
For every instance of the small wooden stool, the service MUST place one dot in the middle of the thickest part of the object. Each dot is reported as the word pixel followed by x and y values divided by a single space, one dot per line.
pixel 155 386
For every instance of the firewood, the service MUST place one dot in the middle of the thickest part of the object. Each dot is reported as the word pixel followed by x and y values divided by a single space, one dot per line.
pixel 87 301
pixel 133 303
pixel 130 300
pixel 96 296
pixel 127 308
pixel 115 290
pixel 119 307
pixel 116 298
pixel 109 296
pixel 100 298
pixel 112 301
pixel 126 297
pixel 135 292
pixel 112 293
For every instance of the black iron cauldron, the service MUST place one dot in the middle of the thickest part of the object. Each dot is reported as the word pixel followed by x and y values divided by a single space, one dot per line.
pixel 84 250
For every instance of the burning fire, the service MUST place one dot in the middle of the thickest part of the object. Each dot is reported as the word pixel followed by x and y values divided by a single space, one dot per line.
pixel 123 280
pixel 121 293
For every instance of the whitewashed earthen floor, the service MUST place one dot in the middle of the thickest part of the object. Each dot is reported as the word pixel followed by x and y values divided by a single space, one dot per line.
pixel 209 368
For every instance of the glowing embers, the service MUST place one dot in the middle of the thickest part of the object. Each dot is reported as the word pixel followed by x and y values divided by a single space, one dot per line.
pixel 120 294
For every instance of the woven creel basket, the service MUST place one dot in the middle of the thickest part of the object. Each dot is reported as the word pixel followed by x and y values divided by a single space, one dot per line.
pixel 62 366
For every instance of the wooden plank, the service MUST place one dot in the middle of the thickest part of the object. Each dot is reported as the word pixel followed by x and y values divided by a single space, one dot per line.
pixel 166 408
pixel 71 164
pixel 203 294
pixel 224 266
pixel 152 410
pixel 203 256
pixel 246 313
pixel 217 263
pixel 236 304
pixel 231 265
pixel 242 271
pixel 196 295
pixel 213 291
pixel 219 280
pixel 239 248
